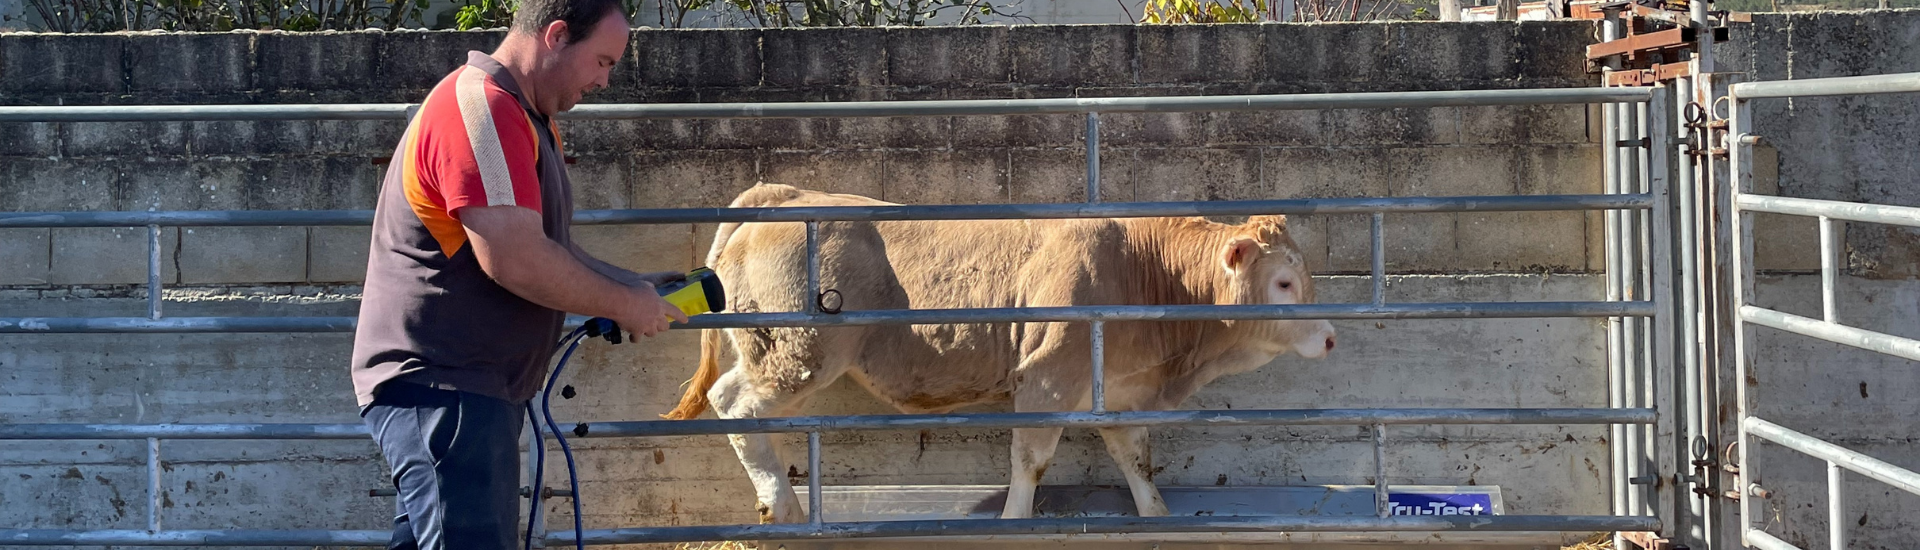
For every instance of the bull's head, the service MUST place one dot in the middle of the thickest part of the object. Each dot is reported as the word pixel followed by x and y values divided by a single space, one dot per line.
pixel 1265 267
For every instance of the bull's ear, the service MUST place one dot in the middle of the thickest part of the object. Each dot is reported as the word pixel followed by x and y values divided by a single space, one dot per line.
pixel 1237 253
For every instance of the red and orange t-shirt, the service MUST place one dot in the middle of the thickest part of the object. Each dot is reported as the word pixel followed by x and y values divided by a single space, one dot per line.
pixel 429 314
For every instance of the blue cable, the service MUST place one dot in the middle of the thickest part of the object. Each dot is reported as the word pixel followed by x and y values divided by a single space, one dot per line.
pixel 573 476
pixel 546 408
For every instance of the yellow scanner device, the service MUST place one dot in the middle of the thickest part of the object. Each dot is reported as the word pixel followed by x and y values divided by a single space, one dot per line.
pixel 699 293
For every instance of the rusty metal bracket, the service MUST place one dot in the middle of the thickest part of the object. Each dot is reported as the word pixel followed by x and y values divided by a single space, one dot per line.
pixel 1649 541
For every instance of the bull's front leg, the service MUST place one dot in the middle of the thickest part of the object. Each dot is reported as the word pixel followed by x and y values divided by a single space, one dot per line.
pixel 1032 451
pixel 733 396
pixel 1134 454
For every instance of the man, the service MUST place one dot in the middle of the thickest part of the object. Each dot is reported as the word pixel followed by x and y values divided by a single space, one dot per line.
pixel 472 269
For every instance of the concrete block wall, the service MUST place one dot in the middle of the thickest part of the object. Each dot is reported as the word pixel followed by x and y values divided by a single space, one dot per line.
pixel 1400 152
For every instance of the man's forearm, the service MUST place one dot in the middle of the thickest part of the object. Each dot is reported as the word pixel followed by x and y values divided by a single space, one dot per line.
pixel 605 269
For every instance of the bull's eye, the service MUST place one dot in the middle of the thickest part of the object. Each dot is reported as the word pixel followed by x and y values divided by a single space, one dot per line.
pixel 1286 285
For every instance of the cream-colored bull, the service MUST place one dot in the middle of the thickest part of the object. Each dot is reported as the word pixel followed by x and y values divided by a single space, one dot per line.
pixel 1041 367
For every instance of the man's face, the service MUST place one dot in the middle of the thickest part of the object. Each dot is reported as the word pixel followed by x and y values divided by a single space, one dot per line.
pixel 580 66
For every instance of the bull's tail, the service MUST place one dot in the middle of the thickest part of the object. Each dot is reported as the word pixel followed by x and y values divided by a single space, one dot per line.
pixel 694 401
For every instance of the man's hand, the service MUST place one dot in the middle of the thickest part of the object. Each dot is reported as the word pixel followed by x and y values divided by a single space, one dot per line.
pixel 648 313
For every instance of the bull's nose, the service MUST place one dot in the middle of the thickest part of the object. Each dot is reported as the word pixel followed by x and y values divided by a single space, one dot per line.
pixel 1329 343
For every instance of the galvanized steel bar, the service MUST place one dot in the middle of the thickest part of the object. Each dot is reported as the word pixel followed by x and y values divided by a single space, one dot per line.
pixel 814 511
pixel 1666 381
pixel 198 537
pixel 182 431
pixel 1851 211
pixel 153 272
pixel 1379 252
pixel 880 529
pixel 1097 335
pixel 398 111
pixel 1290 417
pixel 537 513
pixel 813 298
pixel 158 113
pixel 1846 85
pixel 1829 250
pixel 1097 525
pixel 1763 541
pixel 800 424
pixel 1836 507
pixel 172 325
pixel 1614 280
pixel 1880 470
pixel 1485 310
pixel 1380 500
pixel 1498 203
pixel 1833 332
pixel 1740 155
pixel 153 484
pixel 1093 158
pixel 1633 342
pixel 1078 105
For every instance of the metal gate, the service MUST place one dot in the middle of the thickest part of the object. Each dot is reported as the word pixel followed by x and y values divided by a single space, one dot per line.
pixel 1654 408
pixel 1741 201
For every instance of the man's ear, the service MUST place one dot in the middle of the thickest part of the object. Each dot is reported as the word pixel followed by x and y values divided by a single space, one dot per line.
pixel 556 35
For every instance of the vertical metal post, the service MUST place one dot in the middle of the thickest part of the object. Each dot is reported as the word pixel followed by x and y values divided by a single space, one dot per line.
pixel 812 299
pixel 1829 251
pixel 153 272
pixel 1633 332
pixel 1704 50
pixel 1379 260
pixel 1380 501
pixel 813 480
pixel 1836 507
pixel 1097 330
pixel 1684 240
pixel 1099 337
pixel 1671 381
pixel 1093 157
pixel 1741 157
pixel 1616 363
pixel 153 484
pixel 537 519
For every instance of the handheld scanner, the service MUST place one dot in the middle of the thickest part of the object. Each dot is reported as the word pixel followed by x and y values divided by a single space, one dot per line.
pixel 699 293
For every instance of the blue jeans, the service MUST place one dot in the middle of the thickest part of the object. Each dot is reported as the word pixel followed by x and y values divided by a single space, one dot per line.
pixel 456 465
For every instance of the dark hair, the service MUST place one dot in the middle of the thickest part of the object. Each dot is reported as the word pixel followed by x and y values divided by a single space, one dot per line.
pixel 581 16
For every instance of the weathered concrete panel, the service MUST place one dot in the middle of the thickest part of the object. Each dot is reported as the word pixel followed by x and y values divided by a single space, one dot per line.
pixel 24 256
pixel 337 254
pixel 105 256
pixel 948 56
pixel 696 58
pixel 52 64
pixel 35 139
pixel 822 57
pixel 315 61
pixel 242 255
pixel 88 139
pixel 1072 55
pixel 221 63
pixel 968 176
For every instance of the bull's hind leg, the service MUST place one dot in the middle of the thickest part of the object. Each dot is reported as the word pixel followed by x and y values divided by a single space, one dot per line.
pixel 1134 454
pixel 1032 451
